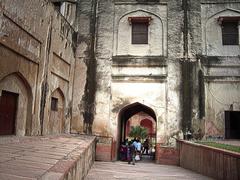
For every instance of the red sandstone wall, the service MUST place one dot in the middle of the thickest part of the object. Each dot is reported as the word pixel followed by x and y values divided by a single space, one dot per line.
pixel 216 163
pixel 167 155
pixel 104 149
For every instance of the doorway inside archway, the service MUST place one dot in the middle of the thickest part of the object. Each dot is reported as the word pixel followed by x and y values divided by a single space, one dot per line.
pixel 138 115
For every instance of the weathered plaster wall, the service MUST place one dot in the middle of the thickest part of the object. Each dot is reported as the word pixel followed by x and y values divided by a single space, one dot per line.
pixel 104 52
pixel 212 31
pixel 219 98
pixel 221 91
pixel 143 78
pixel 84 9
pixel 220 67
pixel 19 68
pixel 85 69
pixel 154 98
pixel 157 30
pixel 174 55
pixel 36 42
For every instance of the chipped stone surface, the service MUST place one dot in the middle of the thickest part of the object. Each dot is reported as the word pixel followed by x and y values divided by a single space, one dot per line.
pixel 37 58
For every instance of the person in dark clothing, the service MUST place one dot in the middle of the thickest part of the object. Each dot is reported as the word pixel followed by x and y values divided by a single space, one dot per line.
pixel 146 146
pixel 131 152
pixel 123 152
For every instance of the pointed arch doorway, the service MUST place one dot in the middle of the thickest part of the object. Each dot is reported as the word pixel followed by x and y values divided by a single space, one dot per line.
pixel 15 105
pixel 136 114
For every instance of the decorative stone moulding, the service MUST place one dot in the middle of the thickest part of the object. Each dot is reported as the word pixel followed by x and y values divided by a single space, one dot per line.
pixel 147 1
pixel 145 19
pixel 228 19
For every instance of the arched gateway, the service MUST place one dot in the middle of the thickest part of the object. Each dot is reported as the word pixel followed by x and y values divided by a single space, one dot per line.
pixel 126 114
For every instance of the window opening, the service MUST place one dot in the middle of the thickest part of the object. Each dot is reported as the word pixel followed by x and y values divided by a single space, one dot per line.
pixel 139 33
pixel 230 35
pixel 232 124
pixel 57 5
pixel 139 29
pixel 54 104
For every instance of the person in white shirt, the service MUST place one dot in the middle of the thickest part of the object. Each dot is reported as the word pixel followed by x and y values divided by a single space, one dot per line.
pixel 138 148
pixel 135 143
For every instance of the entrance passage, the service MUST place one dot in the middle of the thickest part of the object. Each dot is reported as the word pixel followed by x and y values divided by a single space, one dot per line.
pixel 8 107
pixel 137 117
pixel 232 124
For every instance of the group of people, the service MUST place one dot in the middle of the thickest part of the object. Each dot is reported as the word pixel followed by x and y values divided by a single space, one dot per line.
pixel 131 151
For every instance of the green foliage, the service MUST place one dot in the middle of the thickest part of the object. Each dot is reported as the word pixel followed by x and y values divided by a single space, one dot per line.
pixel 138 132
pixel 221 146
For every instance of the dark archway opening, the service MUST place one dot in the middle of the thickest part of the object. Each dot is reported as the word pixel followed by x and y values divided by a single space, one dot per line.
pixel 232 124
pixel 8 108
pixel 144 114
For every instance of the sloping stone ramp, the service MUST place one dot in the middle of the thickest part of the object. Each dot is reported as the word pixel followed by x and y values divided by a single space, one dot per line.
pixel 140 171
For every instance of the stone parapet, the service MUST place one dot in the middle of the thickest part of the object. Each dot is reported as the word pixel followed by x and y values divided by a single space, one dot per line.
pixel 209 161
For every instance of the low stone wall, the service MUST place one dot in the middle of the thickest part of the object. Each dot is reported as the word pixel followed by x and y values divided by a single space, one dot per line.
pixel 167 155
pixel 83 163
pixel 76 164
pixel 209 161
pixel 104 148
pixel 56 157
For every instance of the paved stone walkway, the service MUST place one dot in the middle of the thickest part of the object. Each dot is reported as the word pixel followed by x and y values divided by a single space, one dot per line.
pixel 140 171
pixel 48 157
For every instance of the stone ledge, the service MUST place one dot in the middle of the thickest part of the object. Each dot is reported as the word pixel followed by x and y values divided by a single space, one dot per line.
pixel 139 78
pixel 46 157
pixel 139 61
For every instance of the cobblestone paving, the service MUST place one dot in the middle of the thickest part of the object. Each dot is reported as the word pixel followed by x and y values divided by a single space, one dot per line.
pixel 143 171
pixel 39 157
